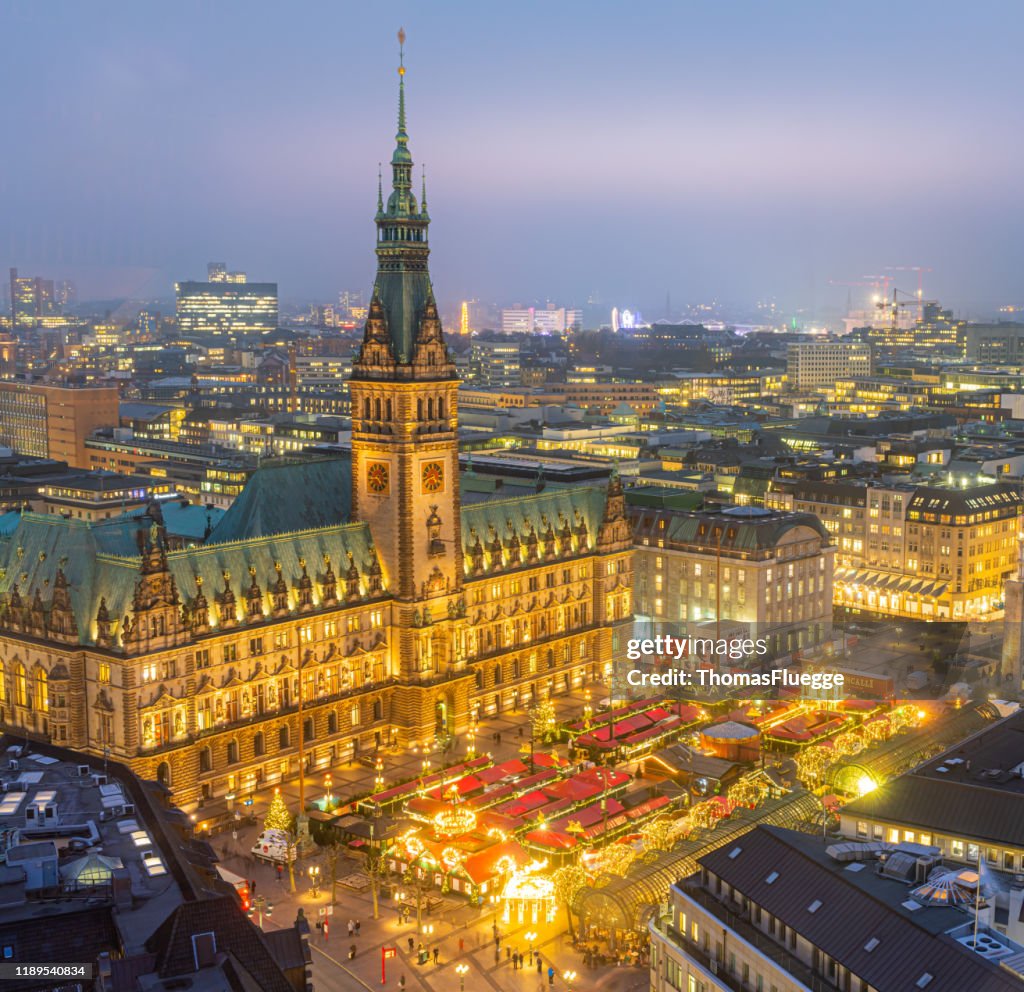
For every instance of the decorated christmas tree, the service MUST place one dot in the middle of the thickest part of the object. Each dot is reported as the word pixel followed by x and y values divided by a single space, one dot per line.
pixel 278 817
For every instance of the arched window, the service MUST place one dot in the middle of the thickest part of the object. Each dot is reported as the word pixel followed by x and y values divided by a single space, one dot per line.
pixel 42 695
pixel 205 760
pixel 497 674
pixel 378 710
pixel 430 408
pixel 283 737
pixel 551 658
pixel 515 668
pixel 479 679
pixel 259 743
pixel 163 773
pixel 366 408
pixel 440 408
pixel 419 409
pixel 376 408
pixel 20 685
pixel 332 722
pixel 232 752
pixel 3 684
pixel 389 411
pixel 307 729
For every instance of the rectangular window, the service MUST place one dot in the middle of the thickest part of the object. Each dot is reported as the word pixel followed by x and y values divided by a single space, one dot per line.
pixel 104 673
pixel 862 828
pixel 956 848
pixel 203 658
pixel 255 646
pixel 230 652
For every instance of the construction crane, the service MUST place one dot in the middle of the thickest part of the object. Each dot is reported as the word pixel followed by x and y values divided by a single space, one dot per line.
pixel 919 269
pixel 890 309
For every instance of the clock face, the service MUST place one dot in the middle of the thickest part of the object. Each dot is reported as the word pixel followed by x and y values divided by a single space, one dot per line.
pixel 432 476
pixel 378 477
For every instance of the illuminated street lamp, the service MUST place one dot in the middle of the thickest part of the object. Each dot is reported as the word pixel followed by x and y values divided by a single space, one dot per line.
pixel 569 977
pixel 378 781
pixel 328 783
pixel 530 937
pixel 314 877
pixel 460 970
pixel 259 907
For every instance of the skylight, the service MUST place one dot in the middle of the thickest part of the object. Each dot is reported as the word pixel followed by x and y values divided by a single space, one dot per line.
pixel 814 906
pixel 735 852
pixel 871 944
pixel 924 980
pixel 771 878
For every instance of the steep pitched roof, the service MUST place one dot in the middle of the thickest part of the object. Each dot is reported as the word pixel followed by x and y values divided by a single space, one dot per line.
pixel 279 499
pixel 172 942
pixel 847 918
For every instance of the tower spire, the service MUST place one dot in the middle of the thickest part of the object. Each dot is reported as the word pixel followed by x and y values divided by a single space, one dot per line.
pixel 402 138
pixel 380 190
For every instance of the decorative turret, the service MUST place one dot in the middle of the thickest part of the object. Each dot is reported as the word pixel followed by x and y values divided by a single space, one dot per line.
pixel 253 598
pixel 63 625
pixel 351 580
pixel 374 575
pixel 104 627
pixel 226 602
pixel 280 592
pixel 615 528
pixel 199 611
pixel 304 589
pixel 330 582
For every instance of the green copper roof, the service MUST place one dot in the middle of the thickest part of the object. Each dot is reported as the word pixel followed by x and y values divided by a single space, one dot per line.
pixel 402 284
pixel 282 498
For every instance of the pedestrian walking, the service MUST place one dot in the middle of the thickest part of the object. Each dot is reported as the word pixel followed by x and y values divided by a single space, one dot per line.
pixel 515 962
pixel 358 924
pixel 412 944
pixel 252 888
pixel 437 954
pixel 497 956
pixel 327 929
pixel 280 874
pixel 540 967
pixel 401 982
pixel 508 953
pixel 351 927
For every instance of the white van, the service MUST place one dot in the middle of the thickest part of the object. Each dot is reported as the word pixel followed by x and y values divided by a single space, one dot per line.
pixel 272 845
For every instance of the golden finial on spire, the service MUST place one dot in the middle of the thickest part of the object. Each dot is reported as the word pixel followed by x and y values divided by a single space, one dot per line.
pixel 401 53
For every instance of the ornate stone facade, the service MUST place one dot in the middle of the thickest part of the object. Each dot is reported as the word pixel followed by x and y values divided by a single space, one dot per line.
pixel 202 667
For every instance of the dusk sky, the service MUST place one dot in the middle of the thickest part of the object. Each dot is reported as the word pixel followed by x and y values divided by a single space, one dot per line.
pixel 735 150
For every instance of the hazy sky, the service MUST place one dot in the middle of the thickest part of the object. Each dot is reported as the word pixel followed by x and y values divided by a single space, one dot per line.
pixel 737 149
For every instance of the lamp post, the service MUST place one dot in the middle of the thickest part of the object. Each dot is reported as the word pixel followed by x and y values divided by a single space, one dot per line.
pixel 530 937
pixel 328 784
pixel 460 970
pixel 314 877
pixel 569 977
pixel 259 906
pixel 378 781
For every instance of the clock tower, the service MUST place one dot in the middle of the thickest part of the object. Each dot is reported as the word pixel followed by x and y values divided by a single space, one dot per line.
pixel 405 460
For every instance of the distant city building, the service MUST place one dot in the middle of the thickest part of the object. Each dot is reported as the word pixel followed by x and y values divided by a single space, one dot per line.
pixel 8 355
pixel 494 363
pixel 536 321
pixel 32 298
pixel 1001 344
pixel 226 306
pixel 816 363
pixel 50 421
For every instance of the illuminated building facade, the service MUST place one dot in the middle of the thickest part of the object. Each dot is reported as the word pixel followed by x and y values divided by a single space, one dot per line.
pixel 227 305
pixel 817 363
pixel 202 667
pixel 767 569
pixel 32 299
pixel 54 421
pixel 928 552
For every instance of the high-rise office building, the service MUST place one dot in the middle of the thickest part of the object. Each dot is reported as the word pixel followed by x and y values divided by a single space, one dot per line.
pixel 818 363
pixel 32 298
pixel 54 421
pixel 227 305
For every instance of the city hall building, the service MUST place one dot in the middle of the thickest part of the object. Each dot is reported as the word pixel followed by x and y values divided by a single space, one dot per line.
pixel 356 604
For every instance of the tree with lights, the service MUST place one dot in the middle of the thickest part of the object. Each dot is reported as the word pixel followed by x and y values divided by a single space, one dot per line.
pixel 542 717
pixel 748 792
pixel 278 817
pixel 568 881
pixel 705 814
pixel 813 762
